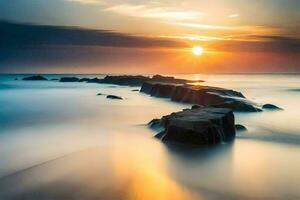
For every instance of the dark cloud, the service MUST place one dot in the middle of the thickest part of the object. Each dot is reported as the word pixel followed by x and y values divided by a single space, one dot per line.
pixel 14 35
pixel 260 43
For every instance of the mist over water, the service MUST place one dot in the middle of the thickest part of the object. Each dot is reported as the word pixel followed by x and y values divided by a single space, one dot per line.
pixel 62 141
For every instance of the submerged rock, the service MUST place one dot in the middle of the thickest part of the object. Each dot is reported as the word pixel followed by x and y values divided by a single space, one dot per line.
pixel 198 126
pixel 113 97
pixel 69 79
pixel 239 127
pixel 271 107
pixel 54 79
pixel 200 95
pixel 35 78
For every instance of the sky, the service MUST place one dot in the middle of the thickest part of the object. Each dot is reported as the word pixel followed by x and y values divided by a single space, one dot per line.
pixel 139 36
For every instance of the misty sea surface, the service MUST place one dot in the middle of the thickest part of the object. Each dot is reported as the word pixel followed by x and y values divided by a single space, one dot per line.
pixel 62 141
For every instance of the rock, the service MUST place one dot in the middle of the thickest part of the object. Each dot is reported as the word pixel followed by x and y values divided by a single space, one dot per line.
pixel 35 78
pixel 170 79
pixel 137 90
pixel 239 127
pixel 84 80
pixel 54 79
pixel 138 80
pixel 125 80
pixel 69 79
pixel 113 97
pixel 155 123
pixel 200 95
pixel 94 80
pixel 201 126
pixel 99 94
pixel 160 135
pixel 271 107
pixel 16 79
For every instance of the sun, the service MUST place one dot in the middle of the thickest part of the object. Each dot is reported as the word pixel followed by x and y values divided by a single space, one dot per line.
pixel 197 50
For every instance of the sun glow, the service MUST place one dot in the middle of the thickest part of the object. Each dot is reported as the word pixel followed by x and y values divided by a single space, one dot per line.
pixel 198 51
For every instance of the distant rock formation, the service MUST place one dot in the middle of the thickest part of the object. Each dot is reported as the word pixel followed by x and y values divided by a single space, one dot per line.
pixel 114 97
pixel 69 79
pixel 128 80
pixel 35 78
pixel 200 126
pixel 200 95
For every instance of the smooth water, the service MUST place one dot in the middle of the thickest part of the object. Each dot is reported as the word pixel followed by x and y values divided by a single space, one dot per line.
pixel 62 141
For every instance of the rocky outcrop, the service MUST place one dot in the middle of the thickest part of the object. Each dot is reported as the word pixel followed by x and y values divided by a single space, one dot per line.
pixel 200 95
pixel 35 78
pixel 271 107
pixel 114 97
pixel 83 80
pixel 69 79
pixel 200 126
pixel 127 80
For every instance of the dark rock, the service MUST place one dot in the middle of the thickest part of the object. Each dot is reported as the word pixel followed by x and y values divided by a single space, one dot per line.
pixel 239 106
pixel 35 78
pixel 271 107
pixel 84 80
pixel 239 127
pixel 170 79
pixel 139 80
pixel 69 79
pixel 113 97
pixel 137 90
pixel 155 123
pixel 99 94
pixel 16 79
pixel 200 95
pixel 94 80
pixel 201 126
pixel 125 80
pixel 160 135
pixel 54 79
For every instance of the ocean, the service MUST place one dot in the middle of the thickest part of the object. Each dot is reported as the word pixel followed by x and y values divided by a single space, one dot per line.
pixel 62 141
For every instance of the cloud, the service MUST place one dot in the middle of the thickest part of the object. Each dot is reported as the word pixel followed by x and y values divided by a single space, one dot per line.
pixel 146 11
pixel 234 15
pixel 259 43
pixel 203 26
pixel 15 35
